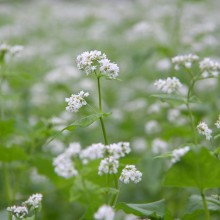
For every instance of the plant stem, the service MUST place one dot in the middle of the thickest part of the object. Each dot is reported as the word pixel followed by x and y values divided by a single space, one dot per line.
pixel 207 215
pixel 100 109
pixel 7 183
pixel 190 111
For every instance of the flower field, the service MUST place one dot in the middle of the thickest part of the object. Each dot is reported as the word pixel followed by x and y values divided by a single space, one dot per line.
pixel 109 110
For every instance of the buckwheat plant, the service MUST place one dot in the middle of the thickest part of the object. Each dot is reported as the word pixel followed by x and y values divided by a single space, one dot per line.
pixel 193 164
pixel 95 169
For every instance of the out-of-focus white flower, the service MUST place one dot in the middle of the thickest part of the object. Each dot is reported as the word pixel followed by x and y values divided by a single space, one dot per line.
pixel 178 153
pixel 93 152
pixel 95 61
pixel 75 102
pixel 118 150
pixel 152 127
pixel 18 212
pixel 73 149
pixel 131 217
pixel 4 48
pixel 139 145
pixel 218 122
pixel 108 165
pixel 159 146
pixel 209 68
pixel 130 174
pixel 203 129
pixel 163 65
pixel 105 212
pixel 184 60
pixel 174 116
pixel 169 85
pixel 34 201
pixel 14 50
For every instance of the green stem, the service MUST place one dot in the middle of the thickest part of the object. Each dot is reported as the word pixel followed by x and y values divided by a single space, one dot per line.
pixel 115 198
pixel 206 210
pixel 190 111
pixel 100 109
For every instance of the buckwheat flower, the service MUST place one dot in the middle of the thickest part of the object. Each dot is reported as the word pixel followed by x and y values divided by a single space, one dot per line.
pixel 93 152
pixel 64 166
pixel 152 127
pixel 118 150
pixel 218 122
pixel 159 146
pixel 18 212
pixel 75 102
pixel 108 165
pixel 73 149
pixel 178 153
pixel 105 212
pixel 130 174
pixel 109 69
pixel 34 201
pixel 203 129
pixel 184 60
pixel 169 85
pixel 4 48
pixel 14 50
pixel 209 68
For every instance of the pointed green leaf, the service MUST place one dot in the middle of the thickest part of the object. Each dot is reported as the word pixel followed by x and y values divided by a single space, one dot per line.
pixel 197 169
pixel 153 210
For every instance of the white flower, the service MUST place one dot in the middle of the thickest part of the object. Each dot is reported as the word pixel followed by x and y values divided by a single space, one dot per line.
pixel 93 152
pixel 209 68
pixel 203 129
pixel 96 61
pixel 218 122
pixel 152 127
pixel 14 50
pixel 34 200
pixel 169 85
pixel 118 150
pixel 18 211
pixel 105 212
pixel 109 69
pixel 108 165
pixel 178 153
pixel 75 102
pixel 184 60
pixel 130 173
pixel 64 166
pixel 73 149
pixel 159 146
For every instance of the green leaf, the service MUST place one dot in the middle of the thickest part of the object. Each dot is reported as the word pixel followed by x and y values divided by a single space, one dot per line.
pixel 195 203
pixel 197 169
pixel 13 153
pixel 151 210
pixel 6 128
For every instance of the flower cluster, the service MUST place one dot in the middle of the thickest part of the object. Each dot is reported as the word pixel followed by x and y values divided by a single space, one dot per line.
pixel 108 165
pixel 105 212
pixel 203 129
pixel 18 212
pixel 169 85
pixel 178 153
pixel 75 102
pixel 209 68
pixel 118 150
pixel 95 61
pixel 34 201
pixel 63 163
pixel 184 60
pixel 218 122
pixel 159 146
pixel 130 173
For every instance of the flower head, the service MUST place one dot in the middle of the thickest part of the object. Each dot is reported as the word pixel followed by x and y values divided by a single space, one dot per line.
pixel 178 153
pixel 203 129
pixel 34 200
pixel 184 60
pixel 169 85
pixel 130 174
pixel 108 165
pixel 105 212
pixel 209 68
pixel 18 212
pixel 119 149
pixel 75 102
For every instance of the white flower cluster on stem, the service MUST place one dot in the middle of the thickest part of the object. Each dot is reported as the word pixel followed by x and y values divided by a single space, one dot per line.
pixel 18 212
pixel 95 61
pixel 209 68
pixel 178 153
pixel 75 102
pixel 108 165
pixel 34 201
pixel 169 85
pixel 130 174
pixel 105 212
pixel 63 163
pixel 184 60
pixel 203 129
